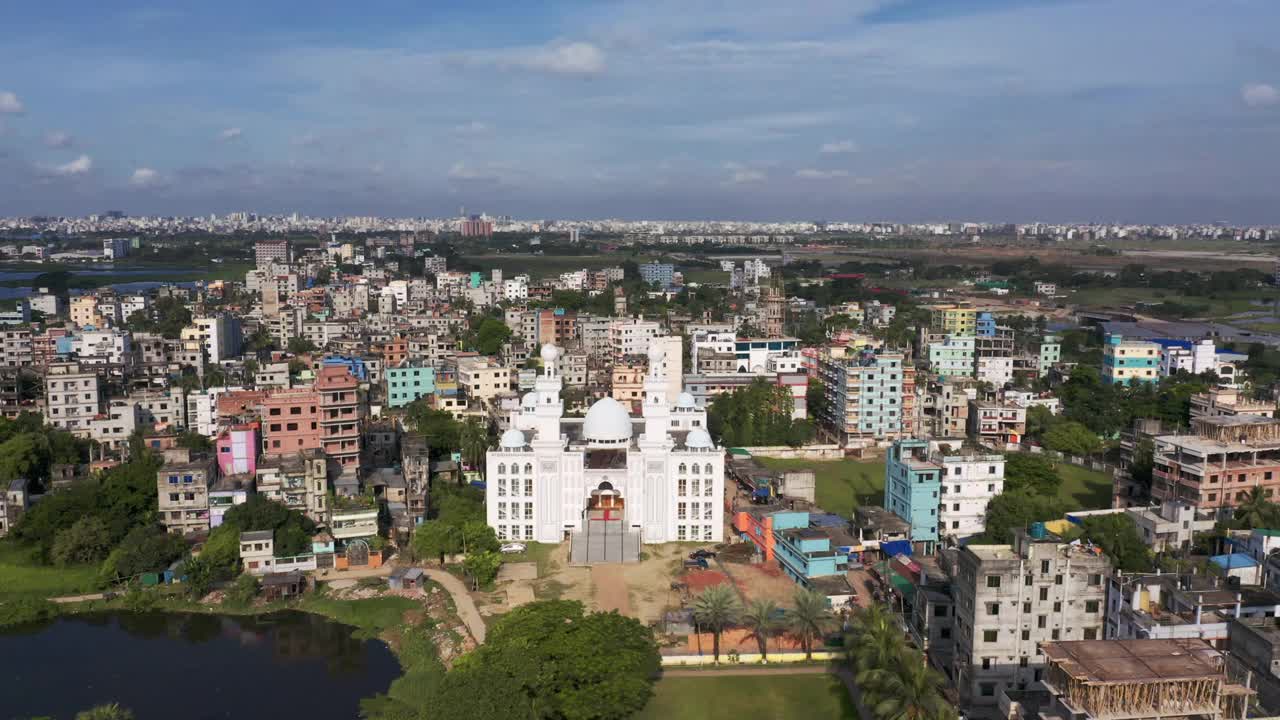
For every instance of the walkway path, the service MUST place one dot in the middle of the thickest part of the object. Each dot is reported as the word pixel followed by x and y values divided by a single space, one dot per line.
pixel 612 592
pixel 462 602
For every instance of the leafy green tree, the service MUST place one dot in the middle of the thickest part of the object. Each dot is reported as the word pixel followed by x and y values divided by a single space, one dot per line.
pixel 147 548
pixel 810 618
pixel 909 691
pixel 1256 512
pixel 482 566
pixel 473 439
pixel 550 659
pixel 242 591
pixel 1072 438
pixel 714 609
pixel 301 345
pixel 1024 471
pixel 291 529
pixel 1118 537
pixel 87 541
pixel 758 414
pixel 1014 509
pixel 764 619
pixel 194 441
pixel 105 712
pixel 489 336
pixel 815 396
pixel 439 428
pixel 436 538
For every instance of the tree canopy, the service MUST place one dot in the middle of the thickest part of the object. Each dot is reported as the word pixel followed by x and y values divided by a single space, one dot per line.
pixel 758 414
pixel 551 659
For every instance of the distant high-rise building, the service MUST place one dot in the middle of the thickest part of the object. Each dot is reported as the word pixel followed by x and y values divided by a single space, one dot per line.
pixel 476 226
pixel 269 252
pixel 774 301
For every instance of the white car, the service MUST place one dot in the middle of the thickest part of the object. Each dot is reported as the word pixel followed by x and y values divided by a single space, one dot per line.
pixel 509 548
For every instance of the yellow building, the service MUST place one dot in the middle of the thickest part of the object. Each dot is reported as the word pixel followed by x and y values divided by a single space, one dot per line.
pixel 953 319
pixel 84 311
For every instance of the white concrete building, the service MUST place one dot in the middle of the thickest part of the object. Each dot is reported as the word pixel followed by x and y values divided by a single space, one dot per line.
pixel 95 347
pixel 996 370
pixel 969 482
pixel 1196 359
pixel 631 336
pixel 72 397
pixel 516 289
pixel 637 479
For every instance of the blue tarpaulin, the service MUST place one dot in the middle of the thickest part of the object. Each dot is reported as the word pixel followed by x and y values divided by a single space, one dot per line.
pixel 1233 561
pixel 895 548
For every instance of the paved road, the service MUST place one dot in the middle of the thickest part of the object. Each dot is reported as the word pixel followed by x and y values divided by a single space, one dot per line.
pixel 462 601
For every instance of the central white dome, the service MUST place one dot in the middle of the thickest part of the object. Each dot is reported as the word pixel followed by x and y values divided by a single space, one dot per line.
pixel 550 352
pixel 700 439
pixel 685 400
pixel 529 400
pixel 512 438
pixel 606 421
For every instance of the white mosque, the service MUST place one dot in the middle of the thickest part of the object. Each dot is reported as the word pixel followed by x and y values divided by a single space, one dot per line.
pixel 608 478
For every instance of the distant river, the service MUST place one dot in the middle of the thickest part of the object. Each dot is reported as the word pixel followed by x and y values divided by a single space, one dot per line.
pixel 181 276
pixel 191 666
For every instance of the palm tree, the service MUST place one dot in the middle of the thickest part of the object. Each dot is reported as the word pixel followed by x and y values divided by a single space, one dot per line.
pixel 809 618
pixel 1256 511
pixel 908 691
pixel 763 619
pixel 714 609
pixel 474 440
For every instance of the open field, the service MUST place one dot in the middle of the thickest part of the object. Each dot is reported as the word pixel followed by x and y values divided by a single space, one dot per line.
pixel 1219 306
pixel 1084 489
pixel 838 481
pixel 20 576
pixel 776 698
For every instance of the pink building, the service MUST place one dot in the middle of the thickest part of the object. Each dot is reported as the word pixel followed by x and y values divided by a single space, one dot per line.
pixel 290 422
pixel 237 448
pixel 340 414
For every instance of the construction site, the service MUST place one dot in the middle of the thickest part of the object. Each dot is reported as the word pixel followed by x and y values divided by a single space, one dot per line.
pixel 1137 679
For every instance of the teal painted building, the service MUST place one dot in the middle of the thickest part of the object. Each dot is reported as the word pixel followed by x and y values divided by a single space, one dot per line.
pixel 911 490
pixel 408 383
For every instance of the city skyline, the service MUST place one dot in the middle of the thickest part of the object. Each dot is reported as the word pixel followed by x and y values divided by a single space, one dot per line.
pixel 895 110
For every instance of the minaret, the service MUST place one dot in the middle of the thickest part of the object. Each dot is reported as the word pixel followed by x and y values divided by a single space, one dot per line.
pixel 657 408
pixel 550 409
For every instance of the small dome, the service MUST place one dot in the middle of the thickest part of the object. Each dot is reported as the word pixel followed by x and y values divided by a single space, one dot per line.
pixel 512 438
pixel 550 353
pixel 699 439
pixel 529 400
pixel 685 400
pixel 606 421
pixel 656 353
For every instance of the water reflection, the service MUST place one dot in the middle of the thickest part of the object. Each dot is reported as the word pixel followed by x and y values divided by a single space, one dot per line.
pixel 167 665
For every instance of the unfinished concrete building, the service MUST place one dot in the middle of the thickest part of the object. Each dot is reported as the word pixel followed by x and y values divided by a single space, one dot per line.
pixel 1011 598
pixel 1215 468
pixel 1137 679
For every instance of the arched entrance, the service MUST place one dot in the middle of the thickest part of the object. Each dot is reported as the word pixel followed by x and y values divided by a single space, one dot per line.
pixel 605 536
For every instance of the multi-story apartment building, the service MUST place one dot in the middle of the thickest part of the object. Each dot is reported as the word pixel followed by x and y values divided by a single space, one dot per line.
pixel 11 401
pixel 183 485
pixel 870 394
pixel 72 397
pixel 166 407
pixel 103 347
pixel 952 357
pixel 656 273
pixel 1048 353
pixel 911 489
pixel 340 416
pixel 1216 466
pixel 969 482
pixel 632 337
pixel 15 347
pixel 291 421
pixel 595 335
pixel 1011 598
pixel 219 336
pixel 997 423
pixel 945 411
pixel 482 379
pixel 953 319
pixel 573 369
pixel 558 327
pixel 298 480
pixel 84 311
pixel 409 381
pixel 1227 402
pixel 271 252
pixel 626 384
pixel 1129 361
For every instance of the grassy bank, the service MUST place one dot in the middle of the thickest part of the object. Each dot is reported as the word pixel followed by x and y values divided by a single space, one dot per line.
pixel 20 576
pixel 778 697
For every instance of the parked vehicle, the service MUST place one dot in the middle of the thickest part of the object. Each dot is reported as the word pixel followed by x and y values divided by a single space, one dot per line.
pixel 697 562
pixel 701 553
pixel 510 548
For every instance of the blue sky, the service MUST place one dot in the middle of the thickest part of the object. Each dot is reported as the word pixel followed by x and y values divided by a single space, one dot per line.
pixel 1113 110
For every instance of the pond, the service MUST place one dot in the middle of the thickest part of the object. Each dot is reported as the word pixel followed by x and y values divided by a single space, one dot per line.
pixel 193 666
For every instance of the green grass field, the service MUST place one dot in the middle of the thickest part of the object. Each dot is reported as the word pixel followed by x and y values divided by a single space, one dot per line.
pixel 371 615
pixel 775 698
pixel 1084 489
pixel 838 481
pixel 20 576
pixel 1219 306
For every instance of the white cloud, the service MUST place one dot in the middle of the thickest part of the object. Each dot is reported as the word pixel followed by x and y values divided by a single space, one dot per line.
pixel 1259 95
pixel 231 133
pixel 10 104
pixel 463 172
pixel 58 139
pixel 576 58
pixel 742 175
pixel 839 146
pixel 815 174
pixel 475 127
pixel 79 166
pixel 144 177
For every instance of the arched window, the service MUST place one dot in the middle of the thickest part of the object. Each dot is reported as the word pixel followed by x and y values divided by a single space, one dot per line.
pixel 683 468
pixel 528 468
pixel 502 468
pixel 709 469
pixel 695 468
